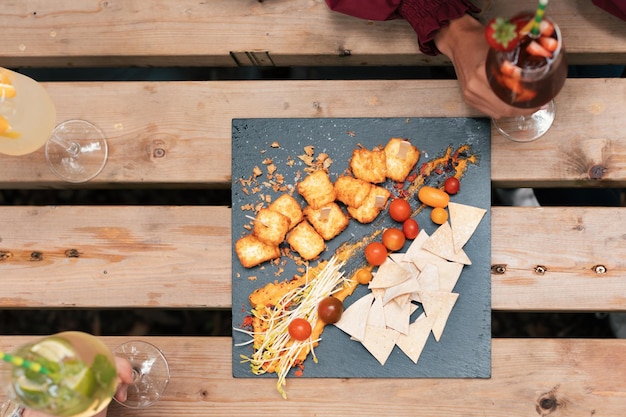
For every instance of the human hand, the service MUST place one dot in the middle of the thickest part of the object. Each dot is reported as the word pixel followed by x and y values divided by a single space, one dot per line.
pixel 463 41
pixel 124 378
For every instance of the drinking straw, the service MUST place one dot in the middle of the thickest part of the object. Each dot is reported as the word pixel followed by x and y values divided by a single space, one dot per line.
pixel 541 9
pixel 24 363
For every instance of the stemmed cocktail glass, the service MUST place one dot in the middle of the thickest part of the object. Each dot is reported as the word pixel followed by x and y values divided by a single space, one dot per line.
pixel 76 150
pixel 528 72
pixel 73 374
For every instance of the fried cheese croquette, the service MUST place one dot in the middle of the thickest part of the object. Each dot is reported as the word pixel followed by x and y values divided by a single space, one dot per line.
pixel 369 210
pixel 351 191
pixel 328 220
pixel 369 165
pixel 401 157
pixel 289 207
pixel 305 240
pixel 317 189
pixel 252 252
pixel 270 226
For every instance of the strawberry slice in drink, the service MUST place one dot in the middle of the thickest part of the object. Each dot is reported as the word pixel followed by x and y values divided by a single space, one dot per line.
pixel 535 48
pixel 549 43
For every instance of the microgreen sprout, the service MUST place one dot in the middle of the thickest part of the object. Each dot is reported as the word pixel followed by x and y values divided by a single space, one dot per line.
pixel 274 349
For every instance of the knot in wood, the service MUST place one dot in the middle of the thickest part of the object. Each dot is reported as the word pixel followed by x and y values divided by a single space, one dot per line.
pixel 345 52
pixel 599 269
pixel 498 269
pixel 36 256
pixel 72 253
pixel 548 404
pixel 158 153
pixel 4 255
pixel 596 172
pixel 540 269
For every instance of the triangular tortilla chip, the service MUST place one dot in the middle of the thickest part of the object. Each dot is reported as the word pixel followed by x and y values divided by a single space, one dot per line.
pixel 432 302
pixel 444 312
pixel 429 279
pixel 397 316
pixel 449 273
pixel 463 219
pixel 406 287
pixel 376 315
pixel 388 275
pixel 441 243
pixel 380 342
pixel 412 344
pixel 354 318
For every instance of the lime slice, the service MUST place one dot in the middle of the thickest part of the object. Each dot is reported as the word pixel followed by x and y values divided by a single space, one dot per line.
pixel 84 382
pixel 32 393
pixel 30 387
pixel 54 349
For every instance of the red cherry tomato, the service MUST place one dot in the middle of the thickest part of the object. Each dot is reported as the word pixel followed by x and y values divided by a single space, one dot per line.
pixel 330 309
pixel 375 253
pixel 299 329
pixel 410 228
pixel 393 239
pixel 452 185
pixel 399 209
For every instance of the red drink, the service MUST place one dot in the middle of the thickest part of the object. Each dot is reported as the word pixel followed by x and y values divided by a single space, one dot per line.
pixel 534 72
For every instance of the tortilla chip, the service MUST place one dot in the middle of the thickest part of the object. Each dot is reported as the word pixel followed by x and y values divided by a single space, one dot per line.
pixel 397 316
pixel 380 342
pixel 388 275
pixel 444 313
pixel 441 244
pixel 354 318
pixel 376 315
pixel 412 344
pixel 463 219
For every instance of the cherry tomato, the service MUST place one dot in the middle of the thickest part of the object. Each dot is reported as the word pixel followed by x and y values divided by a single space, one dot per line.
pixel 330 309
pixel 299 329
pixel 375 253
pixel 452 185
pixel 393 239
pixel 399 209
pixel 439 215
pixel 410 229
pixel 433 197
pixel 363 276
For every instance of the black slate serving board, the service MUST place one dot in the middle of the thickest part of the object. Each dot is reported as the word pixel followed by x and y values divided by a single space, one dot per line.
pixel 465 347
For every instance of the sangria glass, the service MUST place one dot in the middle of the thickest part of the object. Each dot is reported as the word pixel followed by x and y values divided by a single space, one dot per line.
pixel 76 150
pixel 529 76
pixel 73 374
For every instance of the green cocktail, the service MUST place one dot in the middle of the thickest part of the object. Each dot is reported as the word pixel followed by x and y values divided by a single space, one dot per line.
pixel 78 378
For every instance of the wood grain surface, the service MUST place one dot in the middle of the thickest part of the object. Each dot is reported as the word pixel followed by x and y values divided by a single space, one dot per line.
pixel 166 256
pixel 585 146
pixel 67 33
pixel 543 377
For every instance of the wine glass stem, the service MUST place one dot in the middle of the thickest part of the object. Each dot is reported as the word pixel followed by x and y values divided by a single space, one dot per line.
pixel 73 148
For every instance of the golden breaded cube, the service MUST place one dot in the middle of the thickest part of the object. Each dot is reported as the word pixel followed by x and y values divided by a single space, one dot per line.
pixel 370 166
pixel 289 207
pixel 401 157
pixel 317 189
pixel 351 191
pixel 375 202
pixel 270 226
pixel 251 251
pixel 305 240
pixel 328 220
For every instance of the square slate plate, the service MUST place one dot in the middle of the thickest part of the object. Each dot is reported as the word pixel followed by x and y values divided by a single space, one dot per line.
pixel 465 347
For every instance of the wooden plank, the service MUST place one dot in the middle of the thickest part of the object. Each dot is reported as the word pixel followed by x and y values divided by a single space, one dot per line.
pixel 116 256
pixel 157 130
pixel 69 33
pixel 571 377
pixel 137 256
